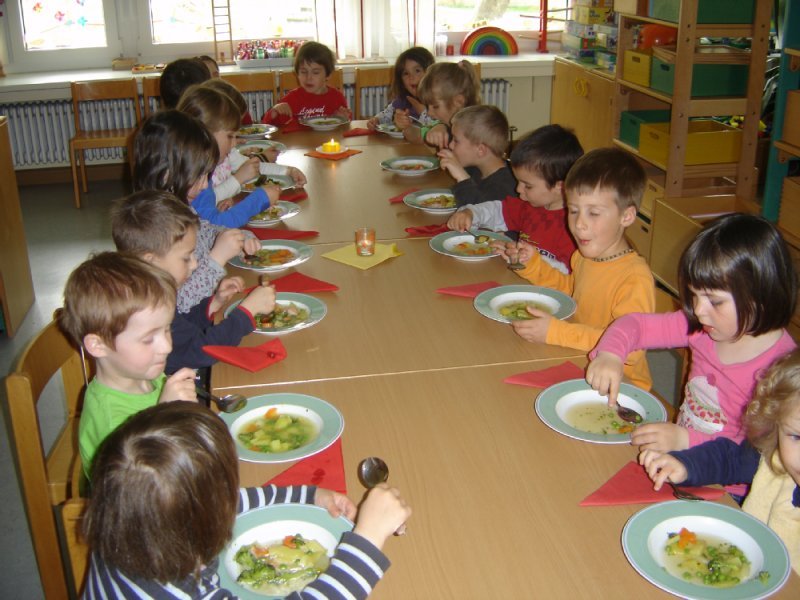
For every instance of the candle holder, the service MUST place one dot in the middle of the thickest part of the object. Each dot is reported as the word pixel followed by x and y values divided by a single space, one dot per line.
pixel 331 147
pixel 365 241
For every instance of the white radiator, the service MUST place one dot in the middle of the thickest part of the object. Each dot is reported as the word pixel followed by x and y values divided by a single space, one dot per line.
pixel 40 131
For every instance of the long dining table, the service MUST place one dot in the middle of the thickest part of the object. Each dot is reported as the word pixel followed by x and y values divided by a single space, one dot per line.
pixel 418 377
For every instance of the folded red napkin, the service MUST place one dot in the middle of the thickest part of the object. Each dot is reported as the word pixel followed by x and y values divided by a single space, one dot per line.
pixel 358 131
pixel 293 126
pixel 297 282
pixel 631 485
pixel 324 469
pixel 280 234
pixel 339 156
pixel 546 377
pixel 293 195
pixel 399 198
pixel 249 358
pixel 427 230
pixel 470 290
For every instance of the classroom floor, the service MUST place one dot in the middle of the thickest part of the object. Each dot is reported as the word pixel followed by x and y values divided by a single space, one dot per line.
pixel 59 238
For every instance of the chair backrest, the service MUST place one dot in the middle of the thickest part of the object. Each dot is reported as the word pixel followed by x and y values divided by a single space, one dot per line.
pixel 253 82
pixel 288 80
pixel 151 94
pixel 367 78
pixel 46 480
pixel 106 89
pixel 76 546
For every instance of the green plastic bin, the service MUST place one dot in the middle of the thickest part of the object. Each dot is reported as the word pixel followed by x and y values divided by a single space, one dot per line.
pixel 708 11
pixel 707 79
pixel 631 120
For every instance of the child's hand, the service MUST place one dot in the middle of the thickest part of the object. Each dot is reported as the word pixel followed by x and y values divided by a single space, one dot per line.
pixel 251 245
pixel 535 329
pixel 604 374
pixel 343 112
pixel 401 119
pixel 448 162
pixel 273 192
pixel 227 245
pixel 381 514
pixel 248 170
pixel 661 467
pixel 514 252
pixel 260 301
pixel 438 137
pixel 227 288
pixel 335 503
pixel 179 386
pixel 271 153
pixel 281 109
pixel 297 176
pixel 224 205
pixel 372 123
pixel 662 437
pixel 461 220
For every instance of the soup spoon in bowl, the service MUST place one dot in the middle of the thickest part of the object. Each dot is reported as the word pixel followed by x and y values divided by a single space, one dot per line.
pixel 227 404
pixel 629 415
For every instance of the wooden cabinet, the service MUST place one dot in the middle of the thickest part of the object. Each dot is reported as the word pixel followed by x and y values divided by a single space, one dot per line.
pixel 16 285
pixel 582 100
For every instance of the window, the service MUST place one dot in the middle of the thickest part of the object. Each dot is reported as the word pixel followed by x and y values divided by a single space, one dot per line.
pixel 511 15
pixel 59 24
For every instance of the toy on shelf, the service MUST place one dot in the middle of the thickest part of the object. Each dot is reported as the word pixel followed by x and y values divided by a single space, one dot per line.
pixel 267 53
pixel 489 41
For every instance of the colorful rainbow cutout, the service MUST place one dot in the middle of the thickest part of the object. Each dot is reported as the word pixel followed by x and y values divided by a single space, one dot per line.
pixel 489 41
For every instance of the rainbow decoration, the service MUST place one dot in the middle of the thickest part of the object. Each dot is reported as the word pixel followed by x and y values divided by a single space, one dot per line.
pixel 487 41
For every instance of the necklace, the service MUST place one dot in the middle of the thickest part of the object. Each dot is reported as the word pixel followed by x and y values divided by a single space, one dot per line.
pixel 613 256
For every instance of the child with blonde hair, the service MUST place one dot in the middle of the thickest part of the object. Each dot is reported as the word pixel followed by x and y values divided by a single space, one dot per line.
pixel 768 460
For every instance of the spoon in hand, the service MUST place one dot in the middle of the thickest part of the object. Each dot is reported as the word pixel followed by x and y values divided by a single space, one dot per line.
pixel 371 472
pixel 517 265
pixel 480 238
pixel 629 415
pixel 229 404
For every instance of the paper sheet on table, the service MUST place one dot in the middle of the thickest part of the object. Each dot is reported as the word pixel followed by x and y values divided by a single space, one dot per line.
pixel 347 255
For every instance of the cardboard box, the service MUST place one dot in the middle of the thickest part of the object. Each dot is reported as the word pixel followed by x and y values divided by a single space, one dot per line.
pixel 791 119
pixel 707 142
pixel 630 122
pixel 637 67
pixel 707 79
pixel 596 3
pixel 589 15
pixel 789 217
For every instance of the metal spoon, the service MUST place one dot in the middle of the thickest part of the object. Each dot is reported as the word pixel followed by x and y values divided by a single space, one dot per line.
pixel 516 265
pixel 371 472
pixel 682 494
pixel 480 238
pixel 629 415
pixel 229 404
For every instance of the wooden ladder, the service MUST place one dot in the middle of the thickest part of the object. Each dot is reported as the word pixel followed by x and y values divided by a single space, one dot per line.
pixel 223 36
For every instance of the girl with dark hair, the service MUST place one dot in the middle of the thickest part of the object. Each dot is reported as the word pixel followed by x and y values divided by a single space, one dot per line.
pixel 409 68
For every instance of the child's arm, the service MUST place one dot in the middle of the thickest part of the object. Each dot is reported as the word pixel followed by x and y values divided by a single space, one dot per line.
pixel 448 162
pixel 210 270
pixel 437 136
pixel 255 202
pixel 385 116
pixel 179 386
pixel 488 215
pixel 296 174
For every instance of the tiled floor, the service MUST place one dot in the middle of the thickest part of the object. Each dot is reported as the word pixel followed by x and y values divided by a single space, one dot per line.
pixel 59 238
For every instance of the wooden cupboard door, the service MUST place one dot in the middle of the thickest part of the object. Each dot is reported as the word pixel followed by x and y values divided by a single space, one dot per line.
pixel 583 101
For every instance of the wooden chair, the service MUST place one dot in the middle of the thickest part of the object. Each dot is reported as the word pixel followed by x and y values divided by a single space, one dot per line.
pixel 367 78
pixel 86 138
pixel 254 82
pixel 47 480
pixel 288 81
pixel 151 94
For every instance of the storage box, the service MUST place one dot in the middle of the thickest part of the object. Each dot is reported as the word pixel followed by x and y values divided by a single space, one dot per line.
pixel 630 120
pixel 707 142
pixel 708 11
pixel 580 30
pixel 707 79
pixel 791 119
pixel 637 67
pixel 789 217
pixel 639 234
pixel 573 42
pixel 653 191
pixel 596 3
pixel 590 15
pixel 631 7
pixel 607 60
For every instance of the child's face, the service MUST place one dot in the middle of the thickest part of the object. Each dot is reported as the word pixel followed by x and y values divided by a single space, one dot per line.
pixel 442 111
pixel 180 260
pixel 312 78
pixel 533 189
pixel 597 223
pixel 789 444
pixel 716 311
pixel 465 151
pixel 212 68
pixel 225 141
pixel 412 73
pixel 198 187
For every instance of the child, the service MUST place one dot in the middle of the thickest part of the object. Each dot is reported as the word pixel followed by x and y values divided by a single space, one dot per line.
pixel 476 155
pixel 313 65
pixel 608 279
pixel 445 89
pixel 179 75
pixel 162 230
pixel 409 68
pixel 738 290
pixel 119 309
pixel 163 540
pixel 540 162
pixel 769 459
pixel 211 65
pixel 174 152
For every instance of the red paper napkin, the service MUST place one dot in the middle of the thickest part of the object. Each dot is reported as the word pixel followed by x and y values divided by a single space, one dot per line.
pixel 293 195
pixel 631 485
pixel 546 377
pixel 339 156
pixel 297 282
pixel 324 469
pixel 249 358
pixel 358 131
pixel 399 198
pixel 293 126
pixel 470 290
pixel 427 230
pixel 281 234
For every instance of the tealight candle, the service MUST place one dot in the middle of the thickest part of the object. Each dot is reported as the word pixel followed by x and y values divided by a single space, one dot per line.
pixel 332 146
pixel 365 241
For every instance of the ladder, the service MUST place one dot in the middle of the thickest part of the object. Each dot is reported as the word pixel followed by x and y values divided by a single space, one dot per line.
pixel 223 36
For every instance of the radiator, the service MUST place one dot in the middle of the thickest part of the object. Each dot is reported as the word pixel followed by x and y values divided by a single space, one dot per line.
pixel 40 131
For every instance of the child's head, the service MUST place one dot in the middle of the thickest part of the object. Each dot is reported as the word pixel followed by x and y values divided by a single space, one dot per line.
pixel 409 68
pixel 210 64
pixel 541 160
pixel 165 488
pixel 174 152
pixel 158 228
pixel 216 110
pixel 772 419
pixel 448 87
pixel 229 90
pixel 120 308
pixel 478 131
pixel 313 64
pixel 737 278
pixel 179 75
pixel 604 189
